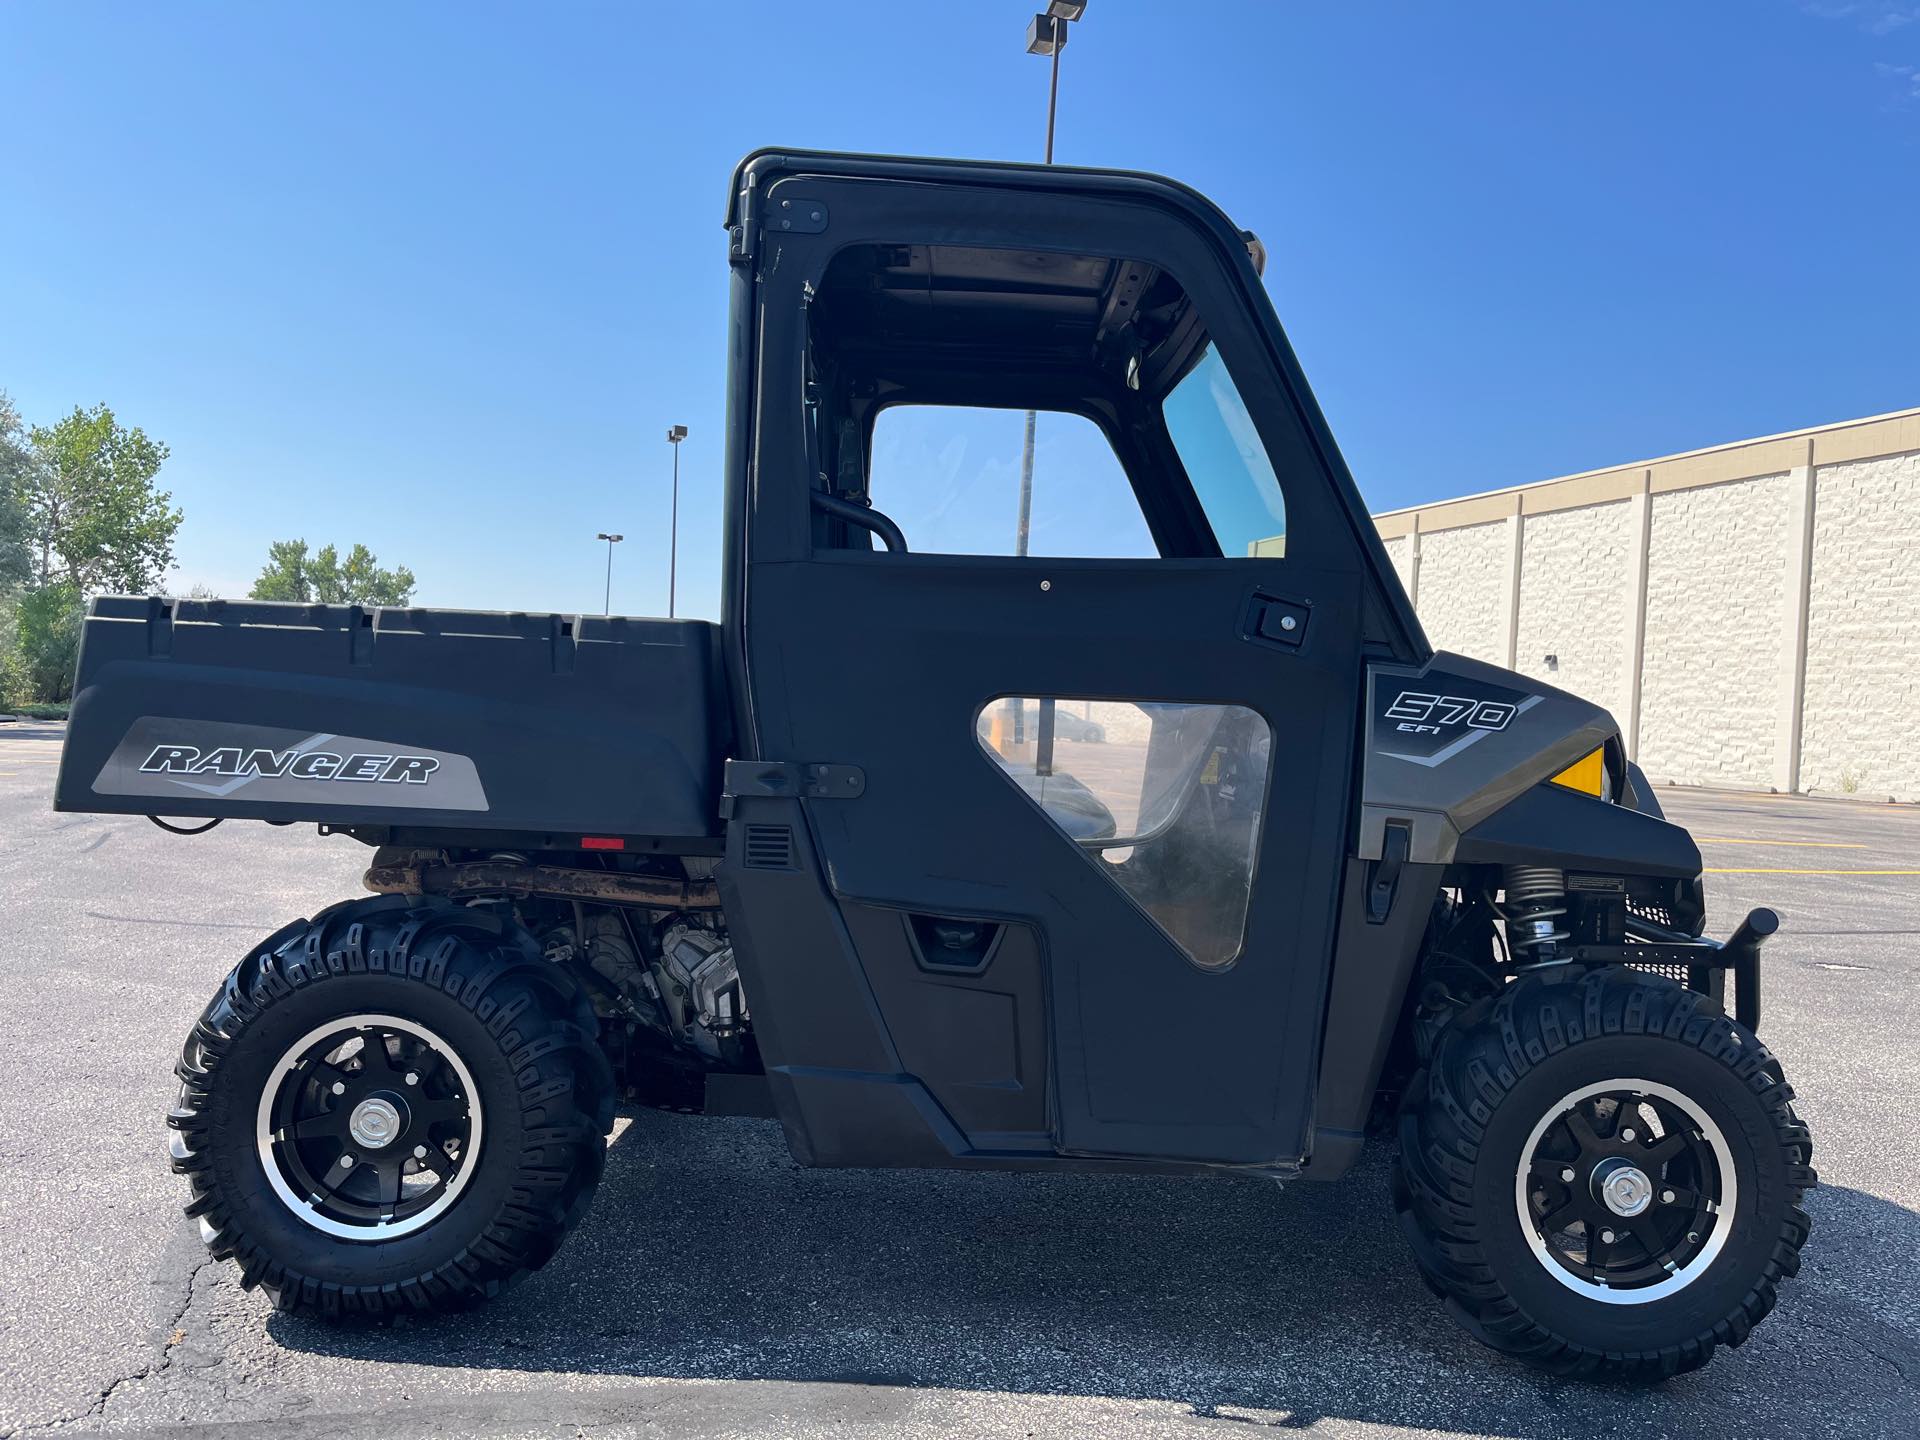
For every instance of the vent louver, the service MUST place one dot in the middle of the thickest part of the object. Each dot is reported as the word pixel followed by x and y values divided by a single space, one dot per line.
pixel 769 847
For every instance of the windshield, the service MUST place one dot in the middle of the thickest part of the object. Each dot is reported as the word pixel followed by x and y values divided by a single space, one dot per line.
pixel 1225 460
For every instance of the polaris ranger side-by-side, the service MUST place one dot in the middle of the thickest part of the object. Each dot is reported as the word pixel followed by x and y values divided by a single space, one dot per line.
pixel 1184 856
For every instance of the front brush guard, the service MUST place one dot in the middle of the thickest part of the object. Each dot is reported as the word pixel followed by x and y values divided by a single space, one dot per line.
pixel 1707 961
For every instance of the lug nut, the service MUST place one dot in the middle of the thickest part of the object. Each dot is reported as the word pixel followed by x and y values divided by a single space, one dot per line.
pixel 1627 1135
pixel 346 1162
pixel 1666 1197
pixel 1606 1237
pixel 413 1079
pixel 419 1152
pixel 1566 1175
pixel 339 1087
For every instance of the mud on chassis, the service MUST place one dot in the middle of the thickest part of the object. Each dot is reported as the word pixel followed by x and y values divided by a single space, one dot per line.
pixel 1183 855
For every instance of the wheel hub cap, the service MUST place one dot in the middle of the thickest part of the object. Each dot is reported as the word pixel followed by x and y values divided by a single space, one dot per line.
pixel 376 1121
pixel 1623 1187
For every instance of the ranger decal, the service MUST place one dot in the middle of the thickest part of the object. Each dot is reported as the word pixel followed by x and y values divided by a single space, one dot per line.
pixel 256 763
pixel 313 765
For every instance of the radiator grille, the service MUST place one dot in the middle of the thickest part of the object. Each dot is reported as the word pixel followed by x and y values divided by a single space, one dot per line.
pixel 1657 914
pixel 769 847
pixel 1676 973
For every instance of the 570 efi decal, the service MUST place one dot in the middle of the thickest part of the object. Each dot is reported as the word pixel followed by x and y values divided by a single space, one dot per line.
pixel 1433 724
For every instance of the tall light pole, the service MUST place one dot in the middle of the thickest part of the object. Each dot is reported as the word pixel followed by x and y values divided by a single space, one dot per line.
pixel 1047 35
pixel 675 434
pixel 612 540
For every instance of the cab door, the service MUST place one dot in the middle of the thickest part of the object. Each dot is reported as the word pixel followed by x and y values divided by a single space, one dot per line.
pixel 1062 828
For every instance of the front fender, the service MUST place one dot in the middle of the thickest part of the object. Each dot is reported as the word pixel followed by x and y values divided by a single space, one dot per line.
pixel 1551 825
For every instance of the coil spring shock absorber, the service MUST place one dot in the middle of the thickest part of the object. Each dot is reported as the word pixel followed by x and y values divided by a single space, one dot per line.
pixel 1536 910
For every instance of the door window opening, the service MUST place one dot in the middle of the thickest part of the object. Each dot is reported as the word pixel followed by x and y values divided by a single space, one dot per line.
pixel 1166 798
pixel 951 477
pixel 923 362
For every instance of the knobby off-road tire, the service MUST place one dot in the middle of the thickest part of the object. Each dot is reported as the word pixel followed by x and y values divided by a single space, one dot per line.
pixel 1500 1092
pixel 462 1020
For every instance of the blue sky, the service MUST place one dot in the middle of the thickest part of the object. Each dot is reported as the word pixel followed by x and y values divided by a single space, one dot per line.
pixel 438 277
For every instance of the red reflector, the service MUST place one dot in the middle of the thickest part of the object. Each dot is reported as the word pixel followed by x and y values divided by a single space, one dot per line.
pixel 602 842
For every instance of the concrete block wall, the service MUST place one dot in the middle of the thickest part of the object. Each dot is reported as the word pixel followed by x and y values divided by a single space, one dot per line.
pixel 1464 576
pixel 1574 604
pixel 1750 614
pixel 1400 552
pixel 1862 709
pixel 1716 596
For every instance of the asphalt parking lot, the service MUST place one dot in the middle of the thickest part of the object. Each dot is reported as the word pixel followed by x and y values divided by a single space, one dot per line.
pixel 717 1290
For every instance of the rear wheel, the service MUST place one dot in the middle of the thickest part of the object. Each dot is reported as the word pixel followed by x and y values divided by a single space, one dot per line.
pixel 1604 1174
pixel 395 1106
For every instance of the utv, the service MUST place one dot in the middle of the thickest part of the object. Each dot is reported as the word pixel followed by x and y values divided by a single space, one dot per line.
pixel 1287 874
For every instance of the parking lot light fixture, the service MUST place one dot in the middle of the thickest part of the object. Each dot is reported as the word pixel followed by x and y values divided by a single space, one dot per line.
pixel 1046 35
pixel 675 434
pixel 612 540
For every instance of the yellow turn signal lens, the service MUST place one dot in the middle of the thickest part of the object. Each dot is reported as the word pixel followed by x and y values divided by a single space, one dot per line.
pixel 1588 775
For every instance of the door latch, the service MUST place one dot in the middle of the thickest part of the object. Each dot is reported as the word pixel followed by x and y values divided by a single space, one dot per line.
pixel 1383 875
pixel 1281 622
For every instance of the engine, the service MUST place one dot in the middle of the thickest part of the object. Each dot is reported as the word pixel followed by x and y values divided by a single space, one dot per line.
pixel 670 988
pixel 699 986
pixel 649 945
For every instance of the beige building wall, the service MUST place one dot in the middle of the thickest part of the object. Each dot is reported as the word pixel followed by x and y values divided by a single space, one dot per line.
pixel 1863 630
pixel 1400 552
pixel 1463 587
pixel 1574 601
pixel 1715 602
pixel 1750 613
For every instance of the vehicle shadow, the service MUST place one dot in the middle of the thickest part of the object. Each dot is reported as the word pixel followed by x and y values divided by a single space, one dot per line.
pixel 709 1255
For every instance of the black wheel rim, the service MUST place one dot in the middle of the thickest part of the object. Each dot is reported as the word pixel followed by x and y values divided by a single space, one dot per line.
pixel 1626 1190
pixel 370 1128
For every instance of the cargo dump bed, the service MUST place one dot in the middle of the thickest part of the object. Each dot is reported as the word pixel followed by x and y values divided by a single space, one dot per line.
pixel 479 723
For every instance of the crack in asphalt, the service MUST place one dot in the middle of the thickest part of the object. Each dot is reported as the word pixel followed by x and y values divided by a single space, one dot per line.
pixel 264 928
pixel 171 1335
pixel 1860 1342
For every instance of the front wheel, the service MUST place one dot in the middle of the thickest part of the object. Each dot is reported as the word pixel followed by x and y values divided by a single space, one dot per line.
pixel 1604 1173
pixel 396 1106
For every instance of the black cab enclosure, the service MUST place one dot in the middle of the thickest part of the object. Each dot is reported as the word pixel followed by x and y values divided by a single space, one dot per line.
pixel 1150 993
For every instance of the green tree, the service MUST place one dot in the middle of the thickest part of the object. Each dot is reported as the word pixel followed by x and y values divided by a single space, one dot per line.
pixel 47 623
pixel 286 576
pixel 94 518
pixel 16 685
pixel 16 459
pixel 293 574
